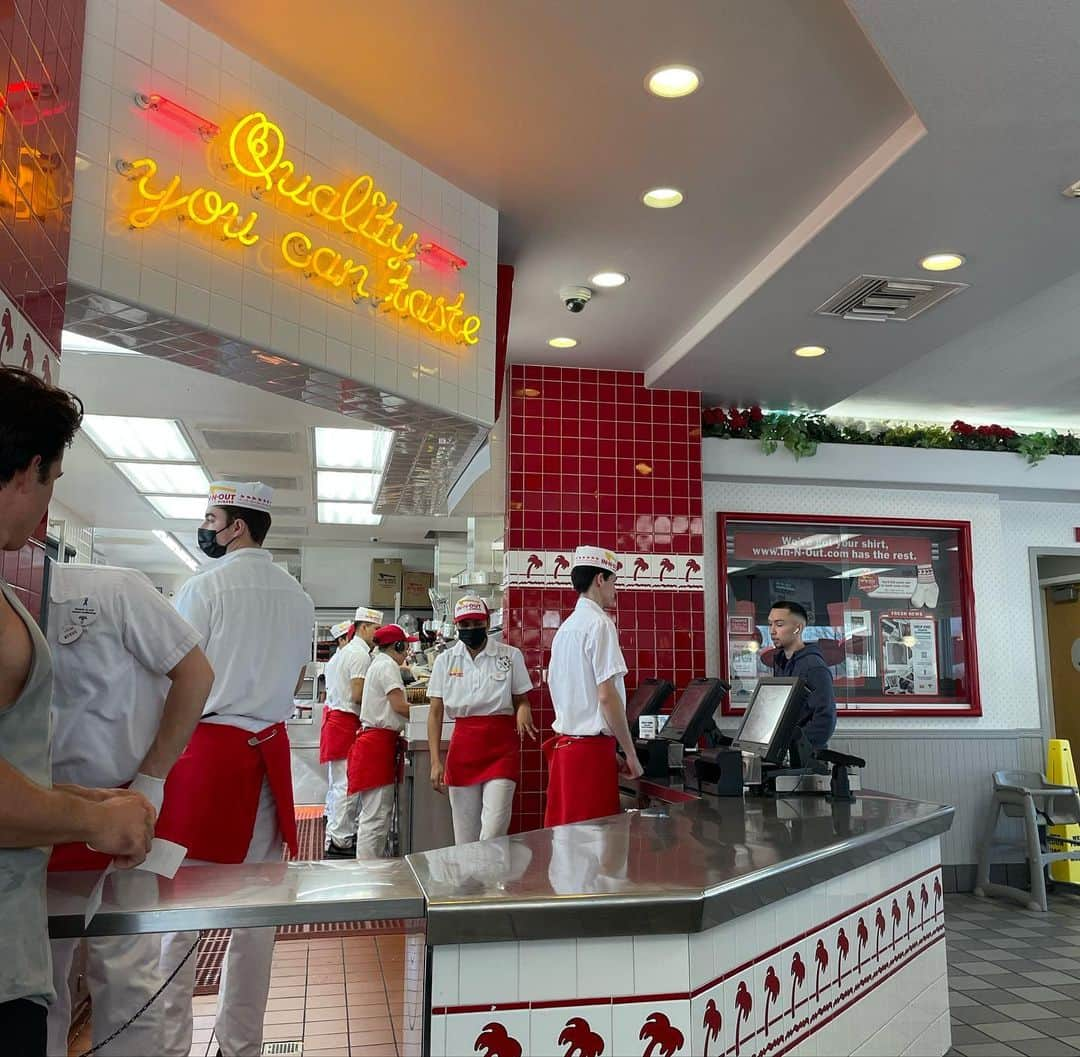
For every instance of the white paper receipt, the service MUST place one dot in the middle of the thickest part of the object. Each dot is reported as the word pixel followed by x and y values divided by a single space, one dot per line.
pixel 164 860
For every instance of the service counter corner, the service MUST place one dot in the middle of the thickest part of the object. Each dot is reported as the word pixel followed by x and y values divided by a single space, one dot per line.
pixel 682 926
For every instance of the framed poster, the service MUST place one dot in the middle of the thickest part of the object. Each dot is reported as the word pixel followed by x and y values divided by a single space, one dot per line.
pixel 889 601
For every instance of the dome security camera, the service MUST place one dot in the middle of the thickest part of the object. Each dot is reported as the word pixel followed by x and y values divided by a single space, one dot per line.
pixel 575 297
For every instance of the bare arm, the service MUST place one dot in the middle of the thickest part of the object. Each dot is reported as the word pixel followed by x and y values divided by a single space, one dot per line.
pixel 614 713
pixel 356 690
pixel 523 716
pixel 398 701
pixel 434 735
pixel 192 679
pixel 31 816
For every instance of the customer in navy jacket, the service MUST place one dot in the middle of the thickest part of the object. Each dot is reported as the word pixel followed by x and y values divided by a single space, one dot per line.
pixel 793 657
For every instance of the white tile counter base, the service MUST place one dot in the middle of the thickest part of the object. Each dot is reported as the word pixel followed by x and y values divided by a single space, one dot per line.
pixel 868 978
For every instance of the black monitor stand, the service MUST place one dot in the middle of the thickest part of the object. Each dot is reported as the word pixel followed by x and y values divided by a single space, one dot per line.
pixel 804 760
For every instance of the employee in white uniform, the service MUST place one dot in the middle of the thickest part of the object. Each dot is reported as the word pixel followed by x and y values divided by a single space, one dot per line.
pixel 341 722
pixel 585 677
pixel 130 683
pixel 373 760
pixel 483 686
pixel 229 798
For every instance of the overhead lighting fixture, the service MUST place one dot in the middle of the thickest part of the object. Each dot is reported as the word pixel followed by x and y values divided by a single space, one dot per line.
pixel 72 342
pixel 808 352
pixel 151 439
pixel 166 478
pixel 673 82
pixel 609 280
pixel 347 514
pixel 562 343
pixel 351 449
pixel 943 262
pixel 662 197
pixel 177 548
pixel 178 507
pixel 346 487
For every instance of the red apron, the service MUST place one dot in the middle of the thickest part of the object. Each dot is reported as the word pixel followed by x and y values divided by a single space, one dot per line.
pixel 338 733
pixel 583 780
pixel 373 759
pixel 212 793
pixel 483 748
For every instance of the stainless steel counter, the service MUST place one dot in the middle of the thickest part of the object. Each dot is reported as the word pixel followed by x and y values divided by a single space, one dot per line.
pixel 213 897
pixel 669 868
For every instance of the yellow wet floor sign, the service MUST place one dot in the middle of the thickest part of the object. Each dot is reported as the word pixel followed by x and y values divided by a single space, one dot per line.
pixel 1060 771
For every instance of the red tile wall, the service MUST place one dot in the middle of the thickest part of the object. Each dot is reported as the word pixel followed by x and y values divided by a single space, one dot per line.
pixel 41 45
pixel 577 438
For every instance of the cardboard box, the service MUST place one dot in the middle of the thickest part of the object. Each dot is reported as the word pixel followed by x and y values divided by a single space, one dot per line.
pixel 414 589
pixel 386 575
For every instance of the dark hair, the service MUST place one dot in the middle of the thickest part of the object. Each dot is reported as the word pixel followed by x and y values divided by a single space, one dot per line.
pixel 35 419
pixel 257 521
pixel 582 576
pixel 792 607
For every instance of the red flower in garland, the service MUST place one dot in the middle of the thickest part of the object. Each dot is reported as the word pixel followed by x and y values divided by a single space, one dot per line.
pixel 962 428
pixel 738 419
pixel 714 416
pixel 755 413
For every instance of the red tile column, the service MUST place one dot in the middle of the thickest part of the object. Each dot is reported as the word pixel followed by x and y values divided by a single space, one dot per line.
pixel 595 457
pixel 41 44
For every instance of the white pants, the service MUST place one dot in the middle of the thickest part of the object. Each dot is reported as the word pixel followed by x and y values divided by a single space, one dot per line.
pixel 122 975
pixel 376 806
pixel 481 811
pixel 341 808
pixel 245 975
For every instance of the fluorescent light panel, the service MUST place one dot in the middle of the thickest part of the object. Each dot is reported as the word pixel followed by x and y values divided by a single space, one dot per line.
pixel 178 507
pixel 351 449
pixel 156 439
pixel 177 548
pixel 347 514
pixel 166 478
pixel 343 486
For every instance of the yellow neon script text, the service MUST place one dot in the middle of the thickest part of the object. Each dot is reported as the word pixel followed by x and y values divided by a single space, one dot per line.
pixel 203 206
pixel 324 262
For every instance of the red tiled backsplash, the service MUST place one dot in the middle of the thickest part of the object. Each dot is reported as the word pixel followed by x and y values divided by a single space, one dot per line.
pixel 24 570
pixel 595 457
pixel 41 45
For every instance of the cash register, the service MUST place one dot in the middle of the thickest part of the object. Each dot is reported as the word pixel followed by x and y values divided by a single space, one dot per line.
pixel 647 700
pixel 691 716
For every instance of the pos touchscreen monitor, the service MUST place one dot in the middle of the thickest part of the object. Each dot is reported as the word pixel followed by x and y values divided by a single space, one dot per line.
pixel 649 697
pixel 771 716
pixel 693 710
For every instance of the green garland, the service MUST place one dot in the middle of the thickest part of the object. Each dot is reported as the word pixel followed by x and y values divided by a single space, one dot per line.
pixel 801 433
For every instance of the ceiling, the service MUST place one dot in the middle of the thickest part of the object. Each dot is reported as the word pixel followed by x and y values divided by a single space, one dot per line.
pixel 827 141
pixel 239 420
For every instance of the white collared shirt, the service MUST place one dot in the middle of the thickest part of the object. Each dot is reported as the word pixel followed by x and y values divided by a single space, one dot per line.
pixel 383 676
pixel 584 653
pixel 352 662
pixel 484 685
pixel 255 623
pixel 110 682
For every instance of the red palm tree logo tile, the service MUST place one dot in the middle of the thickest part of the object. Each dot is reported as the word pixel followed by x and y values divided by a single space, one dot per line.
pixel 772 994
pixel 744 1006
pixel 665 1040
pixel 713 1023
pixel 495 1041
pixel 580 1040
pixel 798 977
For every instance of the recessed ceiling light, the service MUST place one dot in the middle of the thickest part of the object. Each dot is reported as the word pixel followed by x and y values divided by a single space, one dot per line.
pixel 166 478
pixel 662 197
pixel 157 439
pixel 942 262
pixel 178 507
pixel 351 449
pixel 673 82
pixel 346 487
pixel 808 352
pixel 562 343
pixel 347 514
pixel 609 279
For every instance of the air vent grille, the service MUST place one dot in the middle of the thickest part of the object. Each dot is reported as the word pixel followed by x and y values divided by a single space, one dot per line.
pixel 880 299
pixel 248 440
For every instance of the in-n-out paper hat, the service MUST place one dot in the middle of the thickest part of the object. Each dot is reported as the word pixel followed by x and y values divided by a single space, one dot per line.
pixel 596 558
pixel 251 495
pixel 368 616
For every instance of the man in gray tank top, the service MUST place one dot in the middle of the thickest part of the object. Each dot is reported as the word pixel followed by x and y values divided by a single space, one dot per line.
pixel 37 423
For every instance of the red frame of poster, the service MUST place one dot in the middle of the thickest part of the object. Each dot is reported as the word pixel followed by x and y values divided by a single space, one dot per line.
pixel 967 602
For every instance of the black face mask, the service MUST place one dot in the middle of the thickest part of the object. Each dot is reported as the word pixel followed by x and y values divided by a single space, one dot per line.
pixel 474 638
pixel 208 544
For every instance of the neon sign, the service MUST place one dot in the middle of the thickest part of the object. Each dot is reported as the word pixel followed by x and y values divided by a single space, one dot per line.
pixel 358 211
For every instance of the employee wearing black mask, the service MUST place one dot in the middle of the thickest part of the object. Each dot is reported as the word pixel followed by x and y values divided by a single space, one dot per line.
pixel 483 686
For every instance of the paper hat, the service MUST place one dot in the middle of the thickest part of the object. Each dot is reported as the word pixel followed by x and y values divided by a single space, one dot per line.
pixel 368 616
pixel 391 633
pixel 340 629
pixel 596 558
pixel 469 608
pixel 251 495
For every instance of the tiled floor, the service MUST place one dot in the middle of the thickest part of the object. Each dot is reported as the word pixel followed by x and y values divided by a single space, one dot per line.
pixel 343 996
pixel 1014 977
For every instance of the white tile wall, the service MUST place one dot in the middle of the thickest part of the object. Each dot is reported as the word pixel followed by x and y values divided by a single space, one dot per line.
pixel 252 294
